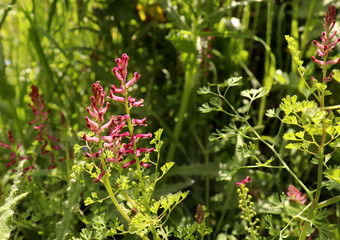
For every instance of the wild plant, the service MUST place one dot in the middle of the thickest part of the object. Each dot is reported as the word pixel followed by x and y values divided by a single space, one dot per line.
pixel 118 159
pixel 311 127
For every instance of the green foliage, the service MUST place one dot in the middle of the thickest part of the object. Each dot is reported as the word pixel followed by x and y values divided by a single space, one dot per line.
pixel 72 204
pixel 11 201
pixel 293 48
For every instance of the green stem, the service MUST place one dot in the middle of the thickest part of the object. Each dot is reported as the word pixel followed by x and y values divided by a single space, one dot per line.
pixel 321 157
pixel 267 61
pixel 328 202
pixel 139 171
pixel 107 183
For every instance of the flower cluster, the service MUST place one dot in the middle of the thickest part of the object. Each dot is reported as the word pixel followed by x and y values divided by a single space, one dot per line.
pixel 14 151
pixel 110 135
pixel 295 195
pixel 245 204
pixel 327 45
pixel 244 181
pixel 40 124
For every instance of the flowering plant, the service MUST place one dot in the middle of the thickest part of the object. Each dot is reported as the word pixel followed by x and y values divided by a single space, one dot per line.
pixel 313 129
pixel 117 159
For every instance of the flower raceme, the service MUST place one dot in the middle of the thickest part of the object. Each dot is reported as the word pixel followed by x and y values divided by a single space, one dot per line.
pixel 14 150
pixel 110 135
pixel 40 124
pixel 327 45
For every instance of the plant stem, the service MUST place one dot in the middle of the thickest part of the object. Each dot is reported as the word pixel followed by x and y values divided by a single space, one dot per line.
pixel 321 157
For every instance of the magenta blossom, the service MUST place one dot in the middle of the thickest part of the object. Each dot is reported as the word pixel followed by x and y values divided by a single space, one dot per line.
pixel 116 135
pixel 244 181
pixel 327 43
pixel 40 124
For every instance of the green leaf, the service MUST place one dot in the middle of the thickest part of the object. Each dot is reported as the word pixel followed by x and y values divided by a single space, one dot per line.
pixel 157 140
pixel 166 167
pixel 205 108
pixel 230 82
pixel 204 90
pixel 288 104
pixel 253 94
pixel 88 201
pixel 333 176
pixel 7 210
pixel 72 203
pixel 274 112
pixel 289 136
pixel 293 48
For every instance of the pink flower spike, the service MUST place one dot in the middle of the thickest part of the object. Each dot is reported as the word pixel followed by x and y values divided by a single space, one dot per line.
pixel 126 165
pixel 99 177
pixel 143 164
pixel 141 122
pixel 330 15
pixel 133 80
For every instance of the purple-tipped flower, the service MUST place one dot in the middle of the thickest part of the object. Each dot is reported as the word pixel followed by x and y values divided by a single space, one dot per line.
pixel 99 177
pixel 120 143
pixel 40 123
pixel 244 181
pixel 327 44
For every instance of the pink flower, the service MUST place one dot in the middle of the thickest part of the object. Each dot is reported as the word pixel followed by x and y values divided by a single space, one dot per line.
pixel 99 177
pixel 295 195
pixel 14 150
pixel 244 181
pixel 327 44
